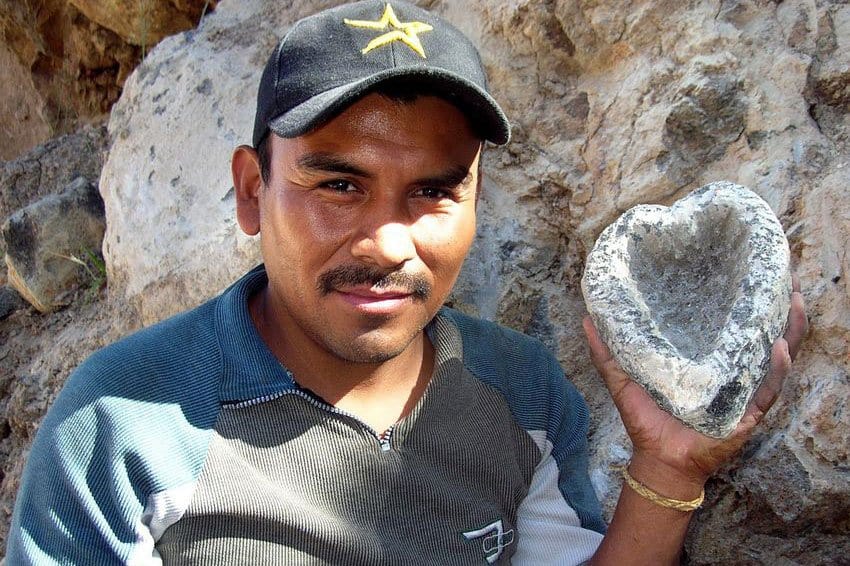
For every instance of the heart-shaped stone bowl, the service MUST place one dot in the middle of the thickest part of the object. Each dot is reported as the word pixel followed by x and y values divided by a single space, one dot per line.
pixel 690 298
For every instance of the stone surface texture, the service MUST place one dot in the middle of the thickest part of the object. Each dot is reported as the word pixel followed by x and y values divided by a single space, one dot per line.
pixel 63 62
pixel 23 124
pixel 181 115
pixel 689 299
pixel 48 169
pixel 10 301
pixel 144 22
pixel 50 243
pixel 613 104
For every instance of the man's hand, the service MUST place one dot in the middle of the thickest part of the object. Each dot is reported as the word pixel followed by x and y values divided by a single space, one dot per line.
pixel 668 456
pixel 672 459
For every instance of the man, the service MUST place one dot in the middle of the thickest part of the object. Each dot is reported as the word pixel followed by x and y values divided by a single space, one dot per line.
pixel 325 408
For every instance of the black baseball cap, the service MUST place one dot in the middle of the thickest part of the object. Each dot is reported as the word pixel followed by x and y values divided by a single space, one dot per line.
pixel 329 60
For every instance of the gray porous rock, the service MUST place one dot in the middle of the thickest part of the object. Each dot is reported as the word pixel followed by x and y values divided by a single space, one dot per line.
pixel 690 298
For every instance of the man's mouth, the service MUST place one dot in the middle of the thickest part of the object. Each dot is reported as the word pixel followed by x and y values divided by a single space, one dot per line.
pixel 375 300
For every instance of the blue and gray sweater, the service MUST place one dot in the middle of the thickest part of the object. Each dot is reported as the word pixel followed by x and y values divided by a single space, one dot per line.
pixel 188 442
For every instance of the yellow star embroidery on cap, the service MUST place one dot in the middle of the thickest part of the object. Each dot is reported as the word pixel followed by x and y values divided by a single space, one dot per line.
pixel 406 32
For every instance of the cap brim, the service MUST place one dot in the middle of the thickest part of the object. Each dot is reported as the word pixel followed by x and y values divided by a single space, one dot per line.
pixel 482 110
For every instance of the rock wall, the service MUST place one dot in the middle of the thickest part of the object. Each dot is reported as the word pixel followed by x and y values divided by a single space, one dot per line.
pixel 47 169
pixel 23 124
pixel 144 22
pixel 63 62
pixel 613 104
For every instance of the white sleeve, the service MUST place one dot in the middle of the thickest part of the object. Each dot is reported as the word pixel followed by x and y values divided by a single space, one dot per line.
pixel 549 530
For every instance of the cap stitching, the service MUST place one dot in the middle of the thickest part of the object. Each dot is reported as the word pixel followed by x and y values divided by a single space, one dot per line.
pixel 392 52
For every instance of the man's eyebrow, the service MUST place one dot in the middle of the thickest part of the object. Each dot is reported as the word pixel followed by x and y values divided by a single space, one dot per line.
pixel 330 163
pixel 453 177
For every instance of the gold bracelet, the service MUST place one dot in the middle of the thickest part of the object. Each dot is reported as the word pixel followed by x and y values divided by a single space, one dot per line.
pixel 659 499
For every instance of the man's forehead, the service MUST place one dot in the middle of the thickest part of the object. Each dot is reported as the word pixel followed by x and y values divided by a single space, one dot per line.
pixel 425 123
pixel 359 160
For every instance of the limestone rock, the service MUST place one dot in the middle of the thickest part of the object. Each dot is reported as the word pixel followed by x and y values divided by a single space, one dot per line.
pixel 690 299
pixel 64 62
pixel 68 69
pixel 182 113
pixel 48 169
pixel 23 124
pixel 831 75
pixel 708 114
pixel 48 242
pixel 828 89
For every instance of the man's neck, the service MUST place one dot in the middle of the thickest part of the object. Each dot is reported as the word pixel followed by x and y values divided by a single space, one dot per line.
pixel 379 394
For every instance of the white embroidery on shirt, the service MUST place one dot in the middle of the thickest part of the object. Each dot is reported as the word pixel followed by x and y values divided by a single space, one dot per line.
pixel 495 543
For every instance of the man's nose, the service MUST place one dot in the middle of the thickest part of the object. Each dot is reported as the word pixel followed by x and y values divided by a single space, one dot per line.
pixel 387 244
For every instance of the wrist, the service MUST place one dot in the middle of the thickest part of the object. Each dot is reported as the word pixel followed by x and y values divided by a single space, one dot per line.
pixel 665 479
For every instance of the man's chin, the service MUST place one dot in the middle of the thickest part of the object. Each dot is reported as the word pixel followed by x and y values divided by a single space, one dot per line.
pixel 370 339
pixel 369 345
pixel 364 351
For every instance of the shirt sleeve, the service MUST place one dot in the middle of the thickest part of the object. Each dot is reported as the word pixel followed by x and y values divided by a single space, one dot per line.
pixel 551 531
pixel 114 460
pixel 560 520
pixel 77 503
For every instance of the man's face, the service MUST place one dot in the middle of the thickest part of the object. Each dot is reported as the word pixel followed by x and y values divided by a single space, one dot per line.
pixel 365 224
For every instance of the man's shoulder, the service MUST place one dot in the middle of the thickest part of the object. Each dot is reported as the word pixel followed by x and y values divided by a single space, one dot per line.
pixel 184 362
pixel 495 347
pixel 522 369
pixel 173 362
pixel 132 421
pixel 190 334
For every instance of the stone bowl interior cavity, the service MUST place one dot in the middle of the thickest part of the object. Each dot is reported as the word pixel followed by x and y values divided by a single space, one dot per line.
pixel 672 270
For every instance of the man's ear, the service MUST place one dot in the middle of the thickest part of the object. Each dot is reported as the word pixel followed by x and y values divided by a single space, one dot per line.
pixel 480 175
pixel 247 183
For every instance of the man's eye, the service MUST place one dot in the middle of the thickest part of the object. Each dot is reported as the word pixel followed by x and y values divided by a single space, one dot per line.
pixel 433 193
pixel 339 186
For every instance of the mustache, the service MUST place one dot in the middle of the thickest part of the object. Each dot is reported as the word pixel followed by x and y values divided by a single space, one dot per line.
pixel 351 275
